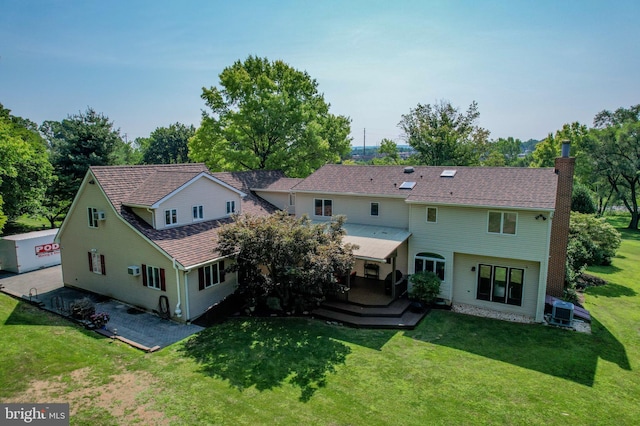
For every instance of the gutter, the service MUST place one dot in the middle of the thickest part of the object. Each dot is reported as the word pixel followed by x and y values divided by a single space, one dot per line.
pixel 178 311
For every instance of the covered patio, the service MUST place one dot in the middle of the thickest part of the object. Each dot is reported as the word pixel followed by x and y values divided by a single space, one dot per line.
pixel 376 279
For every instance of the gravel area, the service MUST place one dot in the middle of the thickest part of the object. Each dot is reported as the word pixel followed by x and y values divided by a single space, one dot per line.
pixel 578 325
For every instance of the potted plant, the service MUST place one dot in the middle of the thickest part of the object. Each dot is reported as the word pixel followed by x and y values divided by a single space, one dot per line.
pixel 425 287
pixel 100 319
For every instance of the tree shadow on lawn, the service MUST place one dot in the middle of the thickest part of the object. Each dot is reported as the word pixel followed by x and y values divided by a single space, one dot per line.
pixel 561 353
pixel 611 290
pixel 267 352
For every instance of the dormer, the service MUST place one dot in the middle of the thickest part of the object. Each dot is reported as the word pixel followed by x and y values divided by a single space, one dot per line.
pixel 168 199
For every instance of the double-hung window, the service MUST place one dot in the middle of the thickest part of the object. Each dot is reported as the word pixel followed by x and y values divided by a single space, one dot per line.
pixel 323 207
pixel 92 216
pixel 375 209
pixel 96 263
pixel 211 275
pixel 153 277
pixel 502 223
pixel 171 217
pixel 198 212
pixel 231 207
pixel 432 214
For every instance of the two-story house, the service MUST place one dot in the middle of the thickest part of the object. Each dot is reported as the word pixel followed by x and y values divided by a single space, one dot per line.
pixel 496 237
pixel 146 235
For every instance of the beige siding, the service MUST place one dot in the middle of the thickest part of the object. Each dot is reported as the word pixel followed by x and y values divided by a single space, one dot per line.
pixel 465 283
pixel 278 199
pixel 393 212
pixel 201 300
pixel 459 231
pixel 144 214
pixel 121 247
pixel 214 203
pixel 465 230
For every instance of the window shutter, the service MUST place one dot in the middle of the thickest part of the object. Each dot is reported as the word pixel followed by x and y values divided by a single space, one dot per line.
pixel 90 262
pixel 144 275
pixel 222 271
pixel 163 286
pixel 104 271
pixel 201 278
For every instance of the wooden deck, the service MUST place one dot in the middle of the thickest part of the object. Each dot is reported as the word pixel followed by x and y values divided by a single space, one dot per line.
pixel 367 304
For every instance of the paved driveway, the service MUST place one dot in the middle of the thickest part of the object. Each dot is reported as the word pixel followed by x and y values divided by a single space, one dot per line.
pixel 141 329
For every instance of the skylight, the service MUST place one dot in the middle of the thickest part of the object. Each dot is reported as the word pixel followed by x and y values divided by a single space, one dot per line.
pixel 448 173
pixel 407 185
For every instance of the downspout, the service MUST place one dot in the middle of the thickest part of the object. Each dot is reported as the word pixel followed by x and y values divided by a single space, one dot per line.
pixel 186 295
pixel 542 285
pixel 178 311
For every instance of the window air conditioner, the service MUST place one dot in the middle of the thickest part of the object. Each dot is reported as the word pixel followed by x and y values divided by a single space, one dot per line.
pixel 101 216
pixel 562 314
pixel 133 270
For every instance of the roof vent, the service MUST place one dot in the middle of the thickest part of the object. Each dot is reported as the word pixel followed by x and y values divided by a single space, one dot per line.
pixel 408 169
pixel 448 173
pixel 407 185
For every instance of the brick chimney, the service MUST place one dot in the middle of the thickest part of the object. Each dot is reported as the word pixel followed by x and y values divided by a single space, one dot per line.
pixel 560 224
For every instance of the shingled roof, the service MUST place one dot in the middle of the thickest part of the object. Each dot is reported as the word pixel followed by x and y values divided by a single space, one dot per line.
pixel 503 187
pixel 143 185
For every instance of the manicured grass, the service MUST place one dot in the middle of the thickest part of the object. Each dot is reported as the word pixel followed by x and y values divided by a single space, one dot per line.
pixel 26 224
pixel 453 369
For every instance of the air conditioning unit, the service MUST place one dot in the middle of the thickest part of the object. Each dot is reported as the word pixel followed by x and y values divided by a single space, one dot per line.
pixel 101 216
pixel 133 270
pixel 562 314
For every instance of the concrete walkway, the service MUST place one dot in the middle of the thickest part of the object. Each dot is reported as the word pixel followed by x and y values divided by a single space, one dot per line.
pixel 143 330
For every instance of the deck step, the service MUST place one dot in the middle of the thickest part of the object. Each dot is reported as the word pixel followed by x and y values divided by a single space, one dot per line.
pixel 408 319
pixel 394 309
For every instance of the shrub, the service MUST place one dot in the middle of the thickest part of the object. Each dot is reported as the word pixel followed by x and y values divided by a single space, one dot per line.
pixel 582 200
pixel 425 287
pixel 599 240
pixel 82 308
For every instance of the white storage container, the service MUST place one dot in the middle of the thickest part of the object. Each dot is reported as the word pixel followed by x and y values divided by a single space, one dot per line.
pixel 27 252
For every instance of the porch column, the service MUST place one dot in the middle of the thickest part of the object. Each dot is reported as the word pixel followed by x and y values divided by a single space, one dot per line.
pixel 393 277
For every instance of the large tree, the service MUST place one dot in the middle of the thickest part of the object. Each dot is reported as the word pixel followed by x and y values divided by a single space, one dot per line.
pixel 285 257
pixel 442 135
pixel 616 158
pixel 268 115
pixel 77 143
pixel 168 145
pixel 25 171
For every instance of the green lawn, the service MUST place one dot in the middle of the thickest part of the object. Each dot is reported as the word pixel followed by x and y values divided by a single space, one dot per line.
pixel 453 369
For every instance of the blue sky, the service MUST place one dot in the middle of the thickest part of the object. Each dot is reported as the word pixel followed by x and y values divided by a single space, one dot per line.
pixel 531 65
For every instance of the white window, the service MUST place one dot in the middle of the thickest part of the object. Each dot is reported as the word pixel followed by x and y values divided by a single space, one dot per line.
pixel 92 215
pixel 500 284
pixel 211 275
pixel 430 262
pixel 502 223
pixel 96 263
pixel 375 209
pixel 153 277
pixel 323 207
pixel 198 212
pixel 432 214
pixel 170 217
pixel 231 207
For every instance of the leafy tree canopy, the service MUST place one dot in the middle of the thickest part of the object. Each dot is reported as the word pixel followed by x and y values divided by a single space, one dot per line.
pixel 77 143
pixel 268 115
pixel 25 171
pixel 286 257
pixel 442 135
pixel 168 145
